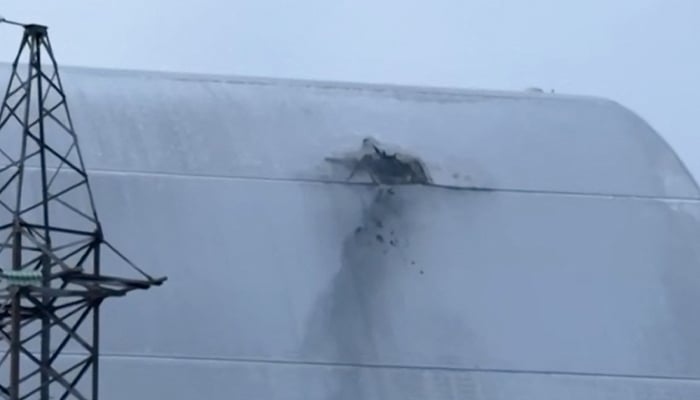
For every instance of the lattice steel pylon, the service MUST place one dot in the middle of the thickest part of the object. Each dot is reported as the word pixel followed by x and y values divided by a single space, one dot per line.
pixel 51 283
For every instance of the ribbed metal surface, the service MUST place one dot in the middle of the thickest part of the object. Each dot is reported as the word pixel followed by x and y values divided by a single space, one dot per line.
pixel 280 129
pixel 575 277
pixel 282 288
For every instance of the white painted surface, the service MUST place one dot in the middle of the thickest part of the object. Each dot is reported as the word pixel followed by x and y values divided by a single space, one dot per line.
pixel 575 275
pixel 517 282
pixel 255 128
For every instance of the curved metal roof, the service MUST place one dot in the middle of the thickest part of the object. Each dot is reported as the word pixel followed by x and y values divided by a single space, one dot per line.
pixel 297 289
pixel 261 128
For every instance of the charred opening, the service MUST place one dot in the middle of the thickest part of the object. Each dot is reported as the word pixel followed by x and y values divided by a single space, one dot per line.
pixel 384 167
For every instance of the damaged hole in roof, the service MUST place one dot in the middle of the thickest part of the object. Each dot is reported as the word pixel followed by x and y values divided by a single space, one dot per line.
pixel 382 166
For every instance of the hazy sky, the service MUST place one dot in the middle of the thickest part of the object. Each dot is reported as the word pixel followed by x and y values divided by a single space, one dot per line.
pixel 643 53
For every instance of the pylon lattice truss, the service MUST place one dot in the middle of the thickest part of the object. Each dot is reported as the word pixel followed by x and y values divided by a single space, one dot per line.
pixel 51 283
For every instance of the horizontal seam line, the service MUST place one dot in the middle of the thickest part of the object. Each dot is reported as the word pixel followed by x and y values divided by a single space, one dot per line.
pixel 449 187
pixel 106 171
pixel 328 85
pixel 390 366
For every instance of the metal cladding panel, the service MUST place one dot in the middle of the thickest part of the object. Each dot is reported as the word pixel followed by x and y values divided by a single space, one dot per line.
pixel 571 273
pixel 288 382
pixel 132 378
pixel 216 126
pixel 329 288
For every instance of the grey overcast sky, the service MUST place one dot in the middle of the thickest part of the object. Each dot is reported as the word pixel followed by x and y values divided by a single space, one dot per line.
pixel 644 54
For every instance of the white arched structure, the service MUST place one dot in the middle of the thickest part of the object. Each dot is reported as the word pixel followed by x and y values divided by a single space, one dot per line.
pixel 556 257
